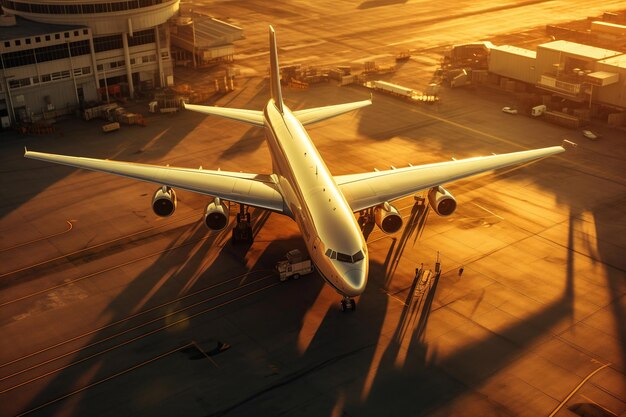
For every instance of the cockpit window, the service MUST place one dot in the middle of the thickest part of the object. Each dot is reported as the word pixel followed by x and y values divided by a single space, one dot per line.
pixel 342 257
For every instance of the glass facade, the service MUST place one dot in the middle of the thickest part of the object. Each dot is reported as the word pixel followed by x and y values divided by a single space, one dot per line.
pixel 44 54
pixel 79 8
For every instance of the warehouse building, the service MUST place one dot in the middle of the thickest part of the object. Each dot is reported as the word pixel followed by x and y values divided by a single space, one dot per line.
pixel 56 57
pixel 611 72
pixel 588 75
pixel 513 62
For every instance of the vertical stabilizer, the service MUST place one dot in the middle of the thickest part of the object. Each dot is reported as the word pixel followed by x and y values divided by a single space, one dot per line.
pixel 275 72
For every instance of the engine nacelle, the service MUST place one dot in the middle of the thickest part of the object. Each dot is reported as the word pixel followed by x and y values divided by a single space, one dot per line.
pixel 387 218
pixel 441 201
pixel 164 201
pixel 216 215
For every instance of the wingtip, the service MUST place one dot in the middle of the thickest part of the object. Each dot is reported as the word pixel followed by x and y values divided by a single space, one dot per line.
pixel 568 143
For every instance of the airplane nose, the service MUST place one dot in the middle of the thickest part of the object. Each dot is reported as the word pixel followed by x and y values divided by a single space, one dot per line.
pixel 357 279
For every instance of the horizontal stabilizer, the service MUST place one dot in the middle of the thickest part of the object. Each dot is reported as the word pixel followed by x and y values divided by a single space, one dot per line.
pixel 317 114
pixel 253 117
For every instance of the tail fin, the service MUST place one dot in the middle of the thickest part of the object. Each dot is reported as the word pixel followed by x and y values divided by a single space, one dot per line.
pixel 275 72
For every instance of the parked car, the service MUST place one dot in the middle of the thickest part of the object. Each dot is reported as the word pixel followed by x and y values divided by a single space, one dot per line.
pixel 509 110
pixel 590 135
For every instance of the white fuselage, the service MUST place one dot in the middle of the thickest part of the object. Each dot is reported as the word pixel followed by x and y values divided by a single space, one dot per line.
pixel 312 198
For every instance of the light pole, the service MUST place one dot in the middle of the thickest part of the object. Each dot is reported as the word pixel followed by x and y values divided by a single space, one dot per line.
pixel 6 81
pixel 69 51
pixel 106 87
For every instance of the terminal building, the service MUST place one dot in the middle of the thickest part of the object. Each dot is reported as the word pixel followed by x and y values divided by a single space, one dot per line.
pixel 58 56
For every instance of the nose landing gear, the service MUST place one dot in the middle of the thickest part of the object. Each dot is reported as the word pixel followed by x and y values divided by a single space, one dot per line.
pixel 348 304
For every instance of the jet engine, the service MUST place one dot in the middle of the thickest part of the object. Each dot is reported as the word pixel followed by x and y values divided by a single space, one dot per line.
pixel 164 201
pixel 216 215
pixel 387 218
pixel 441 201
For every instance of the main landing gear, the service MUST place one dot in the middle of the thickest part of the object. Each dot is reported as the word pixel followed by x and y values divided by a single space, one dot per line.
pixel 242 232
pixel 348 304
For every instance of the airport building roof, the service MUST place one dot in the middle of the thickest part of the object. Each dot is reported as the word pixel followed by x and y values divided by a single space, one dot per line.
pixel 579 49
pixel 25 28
pixel 516 51
pixel 616 61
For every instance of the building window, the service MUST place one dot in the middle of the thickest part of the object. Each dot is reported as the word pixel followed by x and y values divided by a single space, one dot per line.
pixel 47 37
pixel 55 9
pixel 27 41
pixel 39 8
pixel 18 42
pixel 57 36
pixel 37 39
pixel 23 82
pixel 116 64
pixel 141 38
pixel 100 67
pixel 102 7
pixel 18 58
pixel 107 43
pixel 7 44
pixel 80 48
pixel 66 35
pixel 50 53
pixel 85 31
pixel 75 33
pixel 72 9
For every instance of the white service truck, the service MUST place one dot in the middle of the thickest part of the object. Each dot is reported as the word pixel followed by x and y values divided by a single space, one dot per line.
pixel 294 266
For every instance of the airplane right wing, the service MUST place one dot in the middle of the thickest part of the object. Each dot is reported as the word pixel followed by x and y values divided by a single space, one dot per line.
pixel 253 117
pixel 317 114
pixel 370 189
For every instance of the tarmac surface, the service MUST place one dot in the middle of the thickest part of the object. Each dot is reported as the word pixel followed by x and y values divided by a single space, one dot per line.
pixel 106 309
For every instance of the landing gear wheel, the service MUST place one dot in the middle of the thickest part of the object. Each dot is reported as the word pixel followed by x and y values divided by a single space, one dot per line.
pixel 242 232
pixel 296 276
pixel 348 304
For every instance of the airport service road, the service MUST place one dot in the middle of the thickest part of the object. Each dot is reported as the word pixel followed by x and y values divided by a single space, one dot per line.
pixel 377 28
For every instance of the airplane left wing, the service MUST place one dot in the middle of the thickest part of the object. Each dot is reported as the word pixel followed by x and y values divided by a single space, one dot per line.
pixel 253 117
pixel 317 114
pixel 370 189
pixel 250 189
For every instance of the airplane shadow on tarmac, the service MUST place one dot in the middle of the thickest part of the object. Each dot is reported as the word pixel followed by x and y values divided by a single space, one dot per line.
pixel 423 383
pixel 190 269
pixel 127 144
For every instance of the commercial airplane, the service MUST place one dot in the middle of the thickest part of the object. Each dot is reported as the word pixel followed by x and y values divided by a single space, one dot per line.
pixel 302 187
